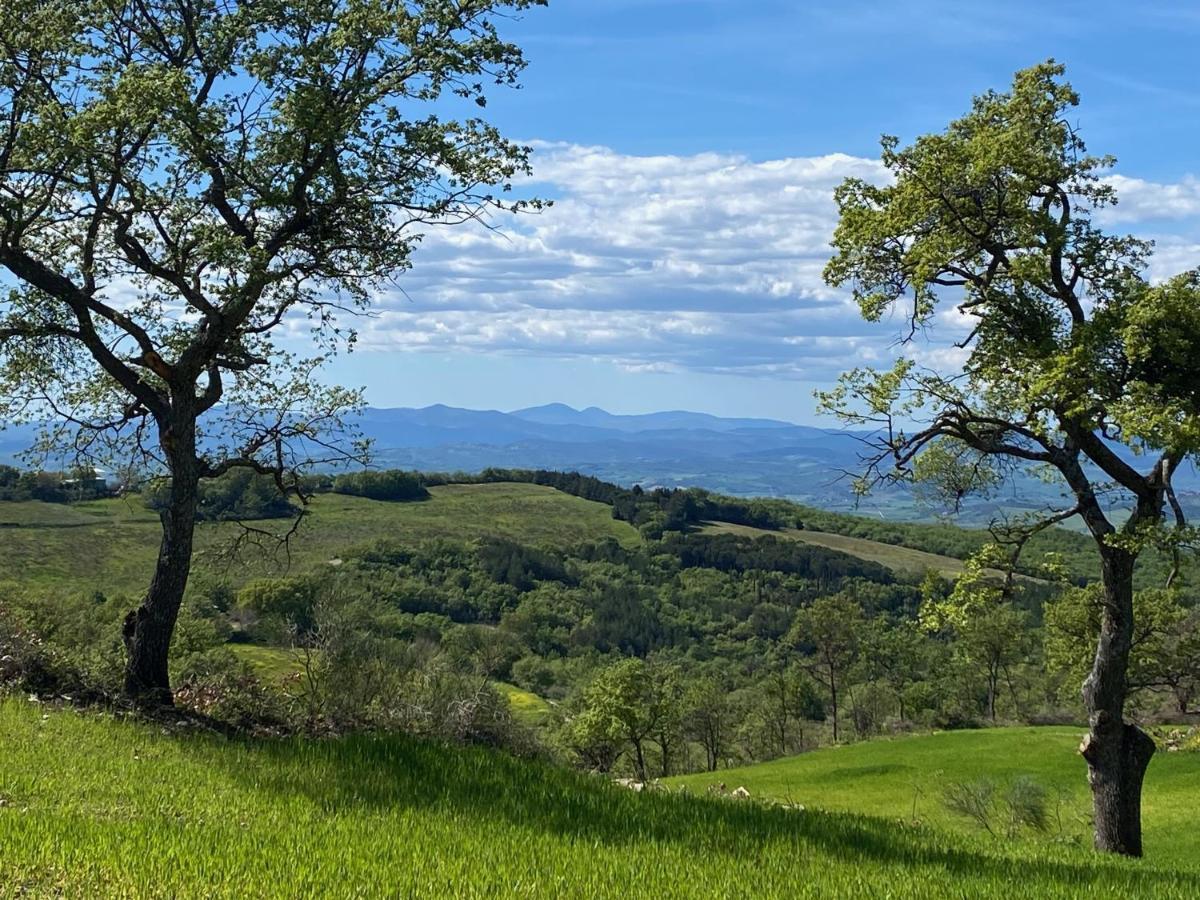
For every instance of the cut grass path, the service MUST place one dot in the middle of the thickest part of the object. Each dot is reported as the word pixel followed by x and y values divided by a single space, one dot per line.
pixel 885 777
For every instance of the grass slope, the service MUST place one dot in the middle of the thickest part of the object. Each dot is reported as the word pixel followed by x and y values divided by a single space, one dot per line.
pixel 110 545
pixel 100 808
pixel 886 777
pixel 896 558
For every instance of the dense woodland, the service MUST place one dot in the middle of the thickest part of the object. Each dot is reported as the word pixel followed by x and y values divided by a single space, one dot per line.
pixel 692 650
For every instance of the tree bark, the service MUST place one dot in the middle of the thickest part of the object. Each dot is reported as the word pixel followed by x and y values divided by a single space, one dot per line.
pixel 833 701
pixel 640 761
pixel 1117 752
pixel 148 629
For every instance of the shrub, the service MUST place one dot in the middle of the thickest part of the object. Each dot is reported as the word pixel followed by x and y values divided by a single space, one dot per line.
pixel 238 494
pixel 1021 805
pixel 219 685
pixel 392 484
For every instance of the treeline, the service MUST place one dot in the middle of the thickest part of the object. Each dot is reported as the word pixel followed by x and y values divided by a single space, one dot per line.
pixel 699 650
pixel 51 487
pixel 654 512
pixel 245 494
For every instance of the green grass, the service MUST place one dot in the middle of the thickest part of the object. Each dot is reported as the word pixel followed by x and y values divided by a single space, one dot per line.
pixel 271 664
pixel 527 707
pixel 896 558
pixel 101 808
pixel 885 778
pixel 111 545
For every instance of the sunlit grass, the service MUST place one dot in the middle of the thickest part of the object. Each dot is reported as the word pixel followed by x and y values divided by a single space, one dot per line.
pixel 904 776
pixel 99 808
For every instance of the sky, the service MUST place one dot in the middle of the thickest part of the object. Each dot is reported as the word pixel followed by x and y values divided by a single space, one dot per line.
pixel 692 148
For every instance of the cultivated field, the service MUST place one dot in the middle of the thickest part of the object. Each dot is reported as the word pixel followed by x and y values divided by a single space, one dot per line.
pixel 896 558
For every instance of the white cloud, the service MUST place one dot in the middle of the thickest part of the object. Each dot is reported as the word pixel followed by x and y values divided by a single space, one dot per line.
pixel 1140 200
pixel 709 263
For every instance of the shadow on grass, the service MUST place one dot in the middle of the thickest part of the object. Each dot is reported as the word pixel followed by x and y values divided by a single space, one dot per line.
pixel 374 773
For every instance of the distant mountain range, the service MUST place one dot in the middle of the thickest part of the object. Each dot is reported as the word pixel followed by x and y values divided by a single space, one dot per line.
pixel 743 456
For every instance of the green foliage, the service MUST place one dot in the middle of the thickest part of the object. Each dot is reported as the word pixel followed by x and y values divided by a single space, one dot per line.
pixel 625 707
pixel 392 484
pixel 288 603
pixel 1166 643
pixel 50 487
pixel 236 495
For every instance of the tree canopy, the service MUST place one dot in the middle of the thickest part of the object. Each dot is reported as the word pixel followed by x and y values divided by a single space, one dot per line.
pixel 1074 363
pixel 187 188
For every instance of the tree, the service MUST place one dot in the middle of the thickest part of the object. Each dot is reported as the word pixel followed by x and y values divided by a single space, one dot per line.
pixel 991 633
pixel 180 184
pixel 708 719
pixel 828 632
pixel 627 705
pixel 1164 650
pixel 1070 354
pixel 896 654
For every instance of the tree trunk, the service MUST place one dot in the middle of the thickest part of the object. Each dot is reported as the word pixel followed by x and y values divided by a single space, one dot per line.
pixel 148 629
pixel 1117 753
pixel 833 701
pixel 641 761
pixel 993 679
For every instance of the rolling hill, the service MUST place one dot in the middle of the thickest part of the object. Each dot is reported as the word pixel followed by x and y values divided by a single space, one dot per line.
pixel 110 545
pixel 152 810
pixel 903 778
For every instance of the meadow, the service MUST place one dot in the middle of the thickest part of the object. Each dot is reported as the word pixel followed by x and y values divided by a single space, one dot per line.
pixel 110 545
pixel 903 779
pixel 94 806
pixel 895 557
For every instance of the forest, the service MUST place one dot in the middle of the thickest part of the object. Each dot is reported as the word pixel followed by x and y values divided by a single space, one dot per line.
pixel 688 649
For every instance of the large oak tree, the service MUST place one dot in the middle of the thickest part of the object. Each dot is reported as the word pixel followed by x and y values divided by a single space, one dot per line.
pixel 187 187
pixel 1074 363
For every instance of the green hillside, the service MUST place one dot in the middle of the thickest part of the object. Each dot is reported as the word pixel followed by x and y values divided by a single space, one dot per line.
pixel 110 545
pixel 136 811
pixel 889 778
pixel 895 557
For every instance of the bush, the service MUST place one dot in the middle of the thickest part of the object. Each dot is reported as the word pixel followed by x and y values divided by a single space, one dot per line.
pixel 238 494
pixel 219 685
pixel 1022 805
pixel 285 606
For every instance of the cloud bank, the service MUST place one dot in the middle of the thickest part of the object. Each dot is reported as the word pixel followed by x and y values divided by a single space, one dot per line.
pixel 708 263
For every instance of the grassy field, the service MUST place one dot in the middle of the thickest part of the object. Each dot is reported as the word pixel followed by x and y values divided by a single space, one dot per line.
pixel 110 545
pixel 102 808
pixel 527 707
pixel 898 559
pixel 889 778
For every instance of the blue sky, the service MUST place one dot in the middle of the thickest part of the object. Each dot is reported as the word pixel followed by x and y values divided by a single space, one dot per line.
pixel 691 148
